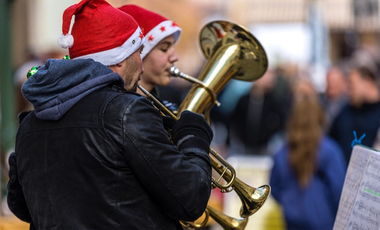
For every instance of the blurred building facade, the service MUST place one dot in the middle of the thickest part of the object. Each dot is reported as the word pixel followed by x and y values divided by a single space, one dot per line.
pixel 331 29
pixel 36 24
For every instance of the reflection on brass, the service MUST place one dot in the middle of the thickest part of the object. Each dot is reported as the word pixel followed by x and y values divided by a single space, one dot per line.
pixel 227 222
pixel 231 52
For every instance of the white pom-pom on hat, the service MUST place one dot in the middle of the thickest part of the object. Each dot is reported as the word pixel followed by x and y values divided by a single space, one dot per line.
pixel 66 41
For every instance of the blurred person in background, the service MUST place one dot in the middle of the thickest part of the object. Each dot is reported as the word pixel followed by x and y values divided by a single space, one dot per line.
pixel 336 95
pixel 159 53
pixel 309 170
pixel 21 72
pixel 362 112
pixel 20 77
pixel 259 115
pixel 93 154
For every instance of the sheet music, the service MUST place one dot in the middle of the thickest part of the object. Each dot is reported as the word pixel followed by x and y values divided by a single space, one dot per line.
pixel 359 206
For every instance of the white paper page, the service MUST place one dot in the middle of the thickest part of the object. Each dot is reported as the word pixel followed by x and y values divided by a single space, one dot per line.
pixel 359 206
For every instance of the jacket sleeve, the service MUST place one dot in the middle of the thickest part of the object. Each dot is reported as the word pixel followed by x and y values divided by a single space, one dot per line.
pixel 15 198
pixel 182 177
pixel 275 179
pixel 333 167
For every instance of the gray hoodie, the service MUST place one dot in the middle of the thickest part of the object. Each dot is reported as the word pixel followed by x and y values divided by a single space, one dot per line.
pixel 60 84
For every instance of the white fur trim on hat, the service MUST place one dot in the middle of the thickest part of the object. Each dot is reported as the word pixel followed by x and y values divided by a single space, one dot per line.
pixel 159 32
pixel 118 54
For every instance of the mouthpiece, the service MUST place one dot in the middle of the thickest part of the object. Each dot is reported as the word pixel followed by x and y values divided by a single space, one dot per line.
pixel 174 71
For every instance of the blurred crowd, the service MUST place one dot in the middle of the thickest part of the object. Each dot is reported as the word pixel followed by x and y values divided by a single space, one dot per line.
pixel 307 132
pixel 257 121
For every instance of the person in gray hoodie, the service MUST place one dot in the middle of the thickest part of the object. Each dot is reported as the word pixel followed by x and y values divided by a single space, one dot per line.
pixel 94 154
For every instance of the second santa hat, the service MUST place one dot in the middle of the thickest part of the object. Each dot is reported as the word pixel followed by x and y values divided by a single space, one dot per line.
pixel 155 26
pixel 100 32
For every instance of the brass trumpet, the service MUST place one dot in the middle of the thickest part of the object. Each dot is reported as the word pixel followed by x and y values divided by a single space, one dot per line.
pixel 232 52
pixel 252 199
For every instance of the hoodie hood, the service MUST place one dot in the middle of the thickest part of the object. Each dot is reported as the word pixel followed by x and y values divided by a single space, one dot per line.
pixel 60 84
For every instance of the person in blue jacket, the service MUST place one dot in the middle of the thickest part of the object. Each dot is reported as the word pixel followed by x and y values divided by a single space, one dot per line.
pixel 361 113
pixel 309 170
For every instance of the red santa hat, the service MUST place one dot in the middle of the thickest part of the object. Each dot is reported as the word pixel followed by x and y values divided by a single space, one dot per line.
pixel 100 32
pixel 155 26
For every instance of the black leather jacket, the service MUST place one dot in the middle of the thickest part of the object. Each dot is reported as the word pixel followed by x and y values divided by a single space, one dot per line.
pixel 104 166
